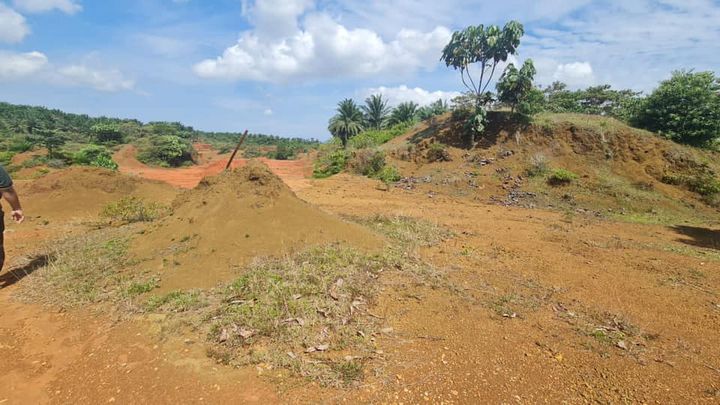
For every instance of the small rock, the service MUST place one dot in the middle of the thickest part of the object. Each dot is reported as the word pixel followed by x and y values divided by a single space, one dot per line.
pixel 621 344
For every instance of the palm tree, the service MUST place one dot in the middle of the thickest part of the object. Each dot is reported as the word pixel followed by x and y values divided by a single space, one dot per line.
pixel 376 111
pixel 404 112
pixel 348 121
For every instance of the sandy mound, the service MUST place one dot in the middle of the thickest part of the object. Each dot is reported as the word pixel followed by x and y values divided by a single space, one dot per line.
pixel 229 219
pixel 84 191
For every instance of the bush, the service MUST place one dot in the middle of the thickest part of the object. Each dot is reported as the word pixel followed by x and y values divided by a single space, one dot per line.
pixel 685 108
pixel 6 157
pixel 538 165
pixel 437 152
pixel 367 162
pixel 132 209
pixel 94 155
pixel 373 138
pixel 166 151
pixel 331 160
pixel 20 144
pixel 560 177
pixel 388 174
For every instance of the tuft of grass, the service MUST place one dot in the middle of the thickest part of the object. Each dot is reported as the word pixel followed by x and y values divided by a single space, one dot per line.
pixel 136 288
pixel 559 177
pixel 538 165
pixel 176 301
pixel 407 230
pixel 133 209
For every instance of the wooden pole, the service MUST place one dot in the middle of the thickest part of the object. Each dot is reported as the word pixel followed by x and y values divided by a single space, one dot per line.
pixel 242 139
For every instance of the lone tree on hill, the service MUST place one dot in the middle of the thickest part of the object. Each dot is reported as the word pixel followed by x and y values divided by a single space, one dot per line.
pixel 486 47
pixel 348 121
pixel 376 111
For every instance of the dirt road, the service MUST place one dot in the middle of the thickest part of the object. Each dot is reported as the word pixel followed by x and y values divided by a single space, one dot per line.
pixel 293 172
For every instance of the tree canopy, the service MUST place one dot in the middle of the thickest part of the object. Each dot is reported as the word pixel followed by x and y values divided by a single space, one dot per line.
pixel 684 108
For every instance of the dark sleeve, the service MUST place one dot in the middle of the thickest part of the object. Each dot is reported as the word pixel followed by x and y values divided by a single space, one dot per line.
pixel 5 180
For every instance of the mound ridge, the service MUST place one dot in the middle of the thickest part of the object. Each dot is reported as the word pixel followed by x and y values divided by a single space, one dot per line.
pixel 229 219
pixel 84 191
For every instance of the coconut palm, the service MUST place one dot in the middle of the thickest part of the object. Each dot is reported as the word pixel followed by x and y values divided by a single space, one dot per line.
pixel 376 111
pixel 404 112
pixel 348 121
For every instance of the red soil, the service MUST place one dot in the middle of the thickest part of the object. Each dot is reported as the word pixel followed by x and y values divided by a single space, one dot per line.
pixel 293 172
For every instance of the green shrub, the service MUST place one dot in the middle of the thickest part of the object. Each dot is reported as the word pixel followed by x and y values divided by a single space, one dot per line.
pixel 388 174
pixel 705 185
pixel 560 177
pixel 6 157
pixel 373 138
pixel 438 152
pixel 18 144
pixel 166 151
pixel 367 162
pixel 94 155
pixel 331 160
pixel 132 209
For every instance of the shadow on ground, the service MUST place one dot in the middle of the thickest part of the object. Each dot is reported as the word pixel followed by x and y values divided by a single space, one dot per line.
pixel 700 237
pixel 17 273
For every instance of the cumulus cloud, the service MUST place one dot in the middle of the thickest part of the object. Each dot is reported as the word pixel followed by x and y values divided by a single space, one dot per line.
pixel 103 80
pixel 401 94
pixel 41 6
pixel 16 65
pixel 13 27
pixel 575 74
pixel 287 43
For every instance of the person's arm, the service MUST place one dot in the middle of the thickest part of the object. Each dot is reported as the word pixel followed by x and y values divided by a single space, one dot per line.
pixel 10 195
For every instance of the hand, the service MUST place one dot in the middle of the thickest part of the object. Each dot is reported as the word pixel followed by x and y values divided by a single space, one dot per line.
pixel 18 216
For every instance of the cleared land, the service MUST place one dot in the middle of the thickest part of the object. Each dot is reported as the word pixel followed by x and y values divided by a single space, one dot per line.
pixel 606 289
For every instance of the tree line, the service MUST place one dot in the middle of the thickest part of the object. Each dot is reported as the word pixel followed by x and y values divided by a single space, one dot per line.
pixel 79 138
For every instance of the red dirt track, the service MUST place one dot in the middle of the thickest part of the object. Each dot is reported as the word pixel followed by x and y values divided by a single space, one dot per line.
pixel 293 172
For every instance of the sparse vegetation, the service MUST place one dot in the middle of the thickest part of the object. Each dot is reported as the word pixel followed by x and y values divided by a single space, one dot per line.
pixel 132 209
pixel 560 177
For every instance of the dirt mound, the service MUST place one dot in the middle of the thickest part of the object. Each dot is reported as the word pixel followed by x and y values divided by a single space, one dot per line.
pixel 228 219
pixel 84 191
pixel 621 171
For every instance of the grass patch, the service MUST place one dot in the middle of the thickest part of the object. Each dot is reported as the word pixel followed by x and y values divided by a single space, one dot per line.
pixel 561 177
pixel 133 209
pixel 309 313
pixel 176 301
pixel 81 270
pixel 407 230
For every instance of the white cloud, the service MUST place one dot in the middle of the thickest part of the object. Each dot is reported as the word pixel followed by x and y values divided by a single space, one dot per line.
pixel 575 74
pixel 40 6
pixel 401 94
pixel 268 111
pixel 286 45
pixel 13 27
pixel 16 65
pixel 103 80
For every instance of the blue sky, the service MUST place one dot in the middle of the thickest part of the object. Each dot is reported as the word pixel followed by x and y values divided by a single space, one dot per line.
pixel 281 66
